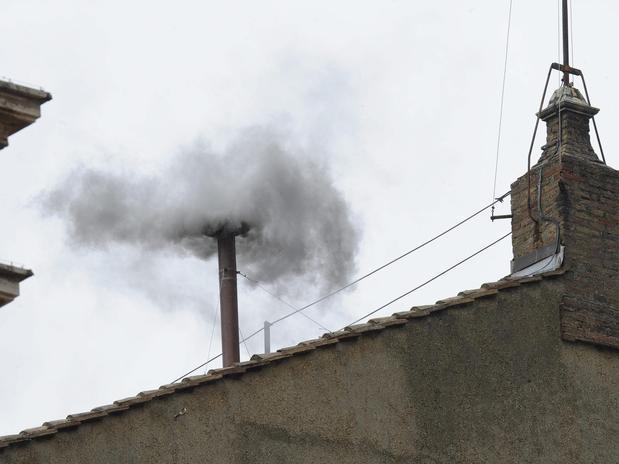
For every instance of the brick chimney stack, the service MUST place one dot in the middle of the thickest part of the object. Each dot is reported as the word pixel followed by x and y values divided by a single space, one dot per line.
pixel 567 207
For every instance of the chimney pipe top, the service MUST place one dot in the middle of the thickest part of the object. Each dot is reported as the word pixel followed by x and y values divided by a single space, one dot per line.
pixel 227 229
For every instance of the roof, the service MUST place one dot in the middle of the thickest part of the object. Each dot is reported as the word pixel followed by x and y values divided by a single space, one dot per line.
pixel 259 361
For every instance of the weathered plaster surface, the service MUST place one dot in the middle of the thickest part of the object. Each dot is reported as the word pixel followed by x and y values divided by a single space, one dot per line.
pixel 491 381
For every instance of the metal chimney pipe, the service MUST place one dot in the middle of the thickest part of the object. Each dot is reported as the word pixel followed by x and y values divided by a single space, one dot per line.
pixel 228 301
pixel 267 336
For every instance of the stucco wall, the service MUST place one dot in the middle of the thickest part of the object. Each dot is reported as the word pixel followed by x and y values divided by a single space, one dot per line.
pixel 488 382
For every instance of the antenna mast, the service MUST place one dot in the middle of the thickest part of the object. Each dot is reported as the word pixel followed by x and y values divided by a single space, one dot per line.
pixel 566 44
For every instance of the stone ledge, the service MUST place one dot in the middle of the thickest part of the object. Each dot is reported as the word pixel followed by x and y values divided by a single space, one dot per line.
pixel 20 106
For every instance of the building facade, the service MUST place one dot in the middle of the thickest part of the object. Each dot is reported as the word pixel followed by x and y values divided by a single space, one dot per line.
pixel 20 106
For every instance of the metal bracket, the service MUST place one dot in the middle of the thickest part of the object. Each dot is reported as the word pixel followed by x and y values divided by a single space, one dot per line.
pixel 501 216
pixel 566 69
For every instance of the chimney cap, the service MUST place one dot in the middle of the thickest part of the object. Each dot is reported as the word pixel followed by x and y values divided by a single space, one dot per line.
pixel 567 98
pixel 227 229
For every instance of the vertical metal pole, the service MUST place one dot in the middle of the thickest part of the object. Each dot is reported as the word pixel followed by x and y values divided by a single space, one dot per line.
pixel 566 43
pixel 228 299
pixel 267 336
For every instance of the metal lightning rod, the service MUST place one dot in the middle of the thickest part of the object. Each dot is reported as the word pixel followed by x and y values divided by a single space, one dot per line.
pixel 566 44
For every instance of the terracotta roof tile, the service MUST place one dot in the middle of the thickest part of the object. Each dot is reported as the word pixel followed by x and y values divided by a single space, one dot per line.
pixel 180 386
pixel 38 432
pixel 10 439
pixel 229 371
pixel 111 408
pixel 297 349
pixel 321 342
pixel 479 293
pixel 455 301
pixel 362 328
pixel 150 394
pixel 270 357
pixel 334 335
pixel 61 424
pixel 415 312
pixel 133 400
pixel 202 379
pixel 387 321
pixel 86 416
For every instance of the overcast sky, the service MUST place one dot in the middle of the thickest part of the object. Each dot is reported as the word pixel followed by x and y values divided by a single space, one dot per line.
pixel 399 100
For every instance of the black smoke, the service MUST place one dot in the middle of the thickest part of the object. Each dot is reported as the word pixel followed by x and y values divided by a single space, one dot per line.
pixel 300 224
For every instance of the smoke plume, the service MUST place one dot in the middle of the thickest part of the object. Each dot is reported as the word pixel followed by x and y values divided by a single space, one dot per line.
pixel 300 225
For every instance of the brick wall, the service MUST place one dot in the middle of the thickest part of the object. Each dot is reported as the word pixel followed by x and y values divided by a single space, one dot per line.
pixel 582 195
pixel 590 210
